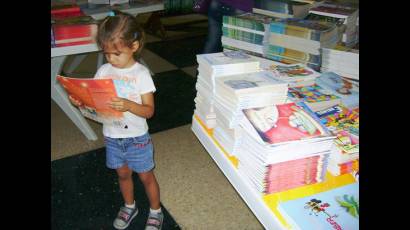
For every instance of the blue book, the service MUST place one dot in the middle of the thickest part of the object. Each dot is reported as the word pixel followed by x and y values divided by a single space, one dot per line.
pixel 334 209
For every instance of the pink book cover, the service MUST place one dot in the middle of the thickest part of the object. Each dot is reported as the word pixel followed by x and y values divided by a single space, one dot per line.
pixel 284 123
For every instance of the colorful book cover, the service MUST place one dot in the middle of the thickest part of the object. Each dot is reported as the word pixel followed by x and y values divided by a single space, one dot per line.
pixel 285 122
pixel 95 95
pixel 334 209
pixel 311 94
pixel 293 71
pixel 344 124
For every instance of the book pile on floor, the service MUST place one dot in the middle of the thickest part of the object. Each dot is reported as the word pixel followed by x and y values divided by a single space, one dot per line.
pixel 70 26
pixel 341 60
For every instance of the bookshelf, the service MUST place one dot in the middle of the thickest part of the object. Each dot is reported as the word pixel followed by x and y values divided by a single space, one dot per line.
pixel 254 201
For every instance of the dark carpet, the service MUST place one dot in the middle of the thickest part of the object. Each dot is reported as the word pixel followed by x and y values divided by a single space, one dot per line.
pixel 174 100
pixel 181 53
pixel 85 195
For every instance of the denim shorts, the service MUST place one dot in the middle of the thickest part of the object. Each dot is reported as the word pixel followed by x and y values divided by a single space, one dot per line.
pixel 136 152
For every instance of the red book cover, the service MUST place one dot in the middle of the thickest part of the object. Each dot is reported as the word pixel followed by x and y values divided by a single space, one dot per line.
pixel 65 11
pixel 284 123
pixel 95 95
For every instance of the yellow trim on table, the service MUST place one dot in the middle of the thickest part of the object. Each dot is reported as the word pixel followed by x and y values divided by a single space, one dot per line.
pixel 210 132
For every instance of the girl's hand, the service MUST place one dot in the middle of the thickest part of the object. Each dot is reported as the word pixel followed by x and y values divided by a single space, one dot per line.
pixel 74 101
pixel 120 104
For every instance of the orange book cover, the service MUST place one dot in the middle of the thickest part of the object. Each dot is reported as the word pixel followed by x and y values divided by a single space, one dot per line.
pixel 95 95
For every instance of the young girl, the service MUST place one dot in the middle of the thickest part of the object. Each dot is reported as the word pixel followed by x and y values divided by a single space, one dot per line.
pixel 128 144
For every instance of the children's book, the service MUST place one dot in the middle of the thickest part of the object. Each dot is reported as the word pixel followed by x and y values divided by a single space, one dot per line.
pixel 346 90
pixel 334 209
pixel 314 96
pixel 95 95
pixel 285 122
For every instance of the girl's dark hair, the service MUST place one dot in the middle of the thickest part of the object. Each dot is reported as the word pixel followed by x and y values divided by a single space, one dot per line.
pixel 120 27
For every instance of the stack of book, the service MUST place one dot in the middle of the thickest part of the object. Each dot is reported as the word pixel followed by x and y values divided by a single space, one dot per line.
pixel 299 41
pixel 237 92
pixel 346 89
pixel 344 124
pixel 345 15
pixel 337 208
pixel 341 60
pixel 70 26
pixel 282 147
pixel 282 8
pixel 212 66
pixel 245 32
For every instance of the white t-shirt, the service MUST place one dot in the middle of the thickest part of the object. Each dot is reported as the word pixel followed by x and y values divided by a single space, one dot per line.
pixel 138 81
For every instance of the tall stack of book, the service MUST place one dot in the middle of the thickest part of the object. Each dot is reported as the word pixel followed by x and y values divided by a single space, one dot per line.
pixel 282 147
pixel 237 92
pixel 245 32
pixel 282 8
pixel 345 15
pixel 70 26
pixel 212 66
pixel 341 60
pixel 299 41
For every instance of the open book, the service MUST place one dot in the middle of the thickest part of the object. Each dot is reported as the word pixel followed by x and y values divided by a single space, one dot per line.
pixel 94 95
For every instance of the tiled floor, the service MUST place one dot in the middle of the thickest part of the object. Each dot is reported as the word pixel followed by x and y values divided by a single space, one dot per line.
pixel 193 189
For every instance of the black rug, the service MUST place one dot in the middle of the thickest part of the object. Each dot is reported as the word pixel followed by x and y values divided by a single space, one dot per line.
pixel 174 100
pixel 181 53
pixel 85 195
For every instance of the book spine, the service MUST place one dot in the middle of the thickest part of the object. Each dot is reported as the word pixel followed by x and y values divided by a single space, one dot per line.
pixel 242 35
pixel 241 22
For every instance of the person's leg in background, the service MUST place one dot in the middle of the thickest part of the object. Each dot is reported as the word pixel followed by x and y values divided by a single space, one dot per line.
pixel 216 11
pixel 213 41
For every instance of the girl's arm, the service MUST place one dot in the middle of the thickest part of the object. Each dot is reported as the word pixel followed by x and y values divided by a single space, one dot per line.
pixel 146 109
